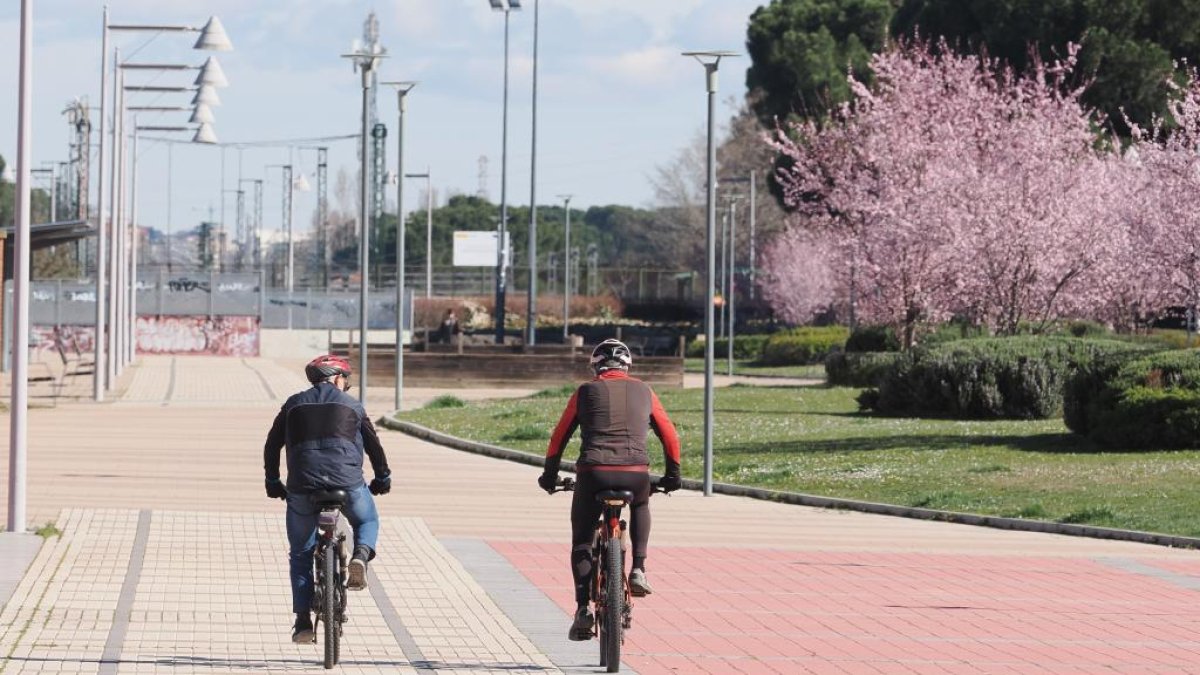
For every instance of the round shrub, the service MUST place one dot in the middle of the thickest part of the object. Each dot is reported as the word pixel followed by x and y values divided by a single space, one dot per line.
pixel 1152 401
pixel 873 339
pixel 1006 378
pixel 803 346
pixel 858 369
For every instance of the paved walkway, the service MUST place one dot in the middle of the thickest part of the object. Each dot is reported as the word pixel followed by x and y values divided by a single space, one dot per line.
pixel 173 561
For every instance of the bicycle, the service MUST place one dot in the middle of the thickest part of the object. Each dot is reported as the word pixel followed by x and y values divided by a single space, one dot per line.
pixel 612 601
pixel 330 560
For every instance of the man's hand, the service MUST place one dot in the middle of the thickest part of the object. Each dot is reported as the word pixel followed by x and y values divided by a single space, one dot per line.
pixel 548 481
pixel 276 489
pixel 381 485
pixel 670 483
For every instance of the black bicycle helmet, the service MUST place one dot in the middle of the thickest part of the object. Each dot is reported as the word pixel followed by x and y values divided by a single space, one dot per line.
pixel 611 354
pixel 326 366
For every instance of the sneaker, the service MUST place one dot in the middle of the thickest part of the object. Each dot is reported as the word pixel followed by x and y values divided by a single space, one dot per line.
pixel 581 628
pixel 302 632
pixel 356 572
pixel 639 586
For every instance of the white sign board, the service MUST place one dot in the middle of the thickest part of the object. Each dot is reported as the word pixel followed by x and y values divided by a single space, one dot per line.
pixel 477 249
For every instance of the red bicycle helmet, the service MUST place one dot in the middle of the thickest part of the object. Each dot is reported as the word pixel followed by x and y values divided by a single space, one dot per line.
pixel 326 366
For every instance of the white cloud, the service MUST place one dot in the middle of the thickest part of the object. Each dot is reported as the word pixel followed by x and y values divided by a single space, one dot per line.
pixel 648 67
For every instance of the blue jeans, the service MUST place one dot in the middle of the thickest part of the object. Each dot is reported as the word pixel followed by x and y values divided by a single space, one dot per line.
pixel 302 517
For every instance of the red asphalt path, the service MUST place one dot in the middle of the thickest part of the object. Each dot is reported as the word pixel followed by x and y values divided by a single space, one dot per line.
pixel 766 611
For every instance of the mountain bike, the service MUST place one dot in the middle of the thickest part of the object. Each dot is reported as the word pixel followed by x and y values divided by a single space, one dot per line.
pixel 612 602
pixel 330 559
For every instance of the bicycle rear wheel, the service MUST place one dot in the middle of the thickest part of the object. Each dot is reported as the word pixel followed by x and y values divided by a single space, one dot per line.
pixel 614 606
pixel 329 607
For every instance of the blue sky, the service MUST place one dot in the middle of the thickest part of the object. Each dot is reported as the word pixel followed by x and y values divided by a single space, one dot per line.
pixel 615 97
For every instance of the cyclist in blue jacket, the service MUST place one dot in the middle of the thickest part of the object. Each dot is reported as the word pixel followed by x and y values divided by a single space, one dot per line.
pixel 326 432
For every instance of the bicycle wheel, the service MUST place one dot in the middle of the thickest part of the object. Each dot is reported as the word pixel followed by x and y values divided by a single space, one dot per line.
pixel 614 606
pixel 329 607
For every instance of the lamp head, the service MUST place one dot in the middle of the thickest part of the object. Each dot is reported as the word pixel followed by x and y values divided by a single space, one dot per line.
pixel 213 38
pixel 202 114
pixel 205 135
pixel 211 74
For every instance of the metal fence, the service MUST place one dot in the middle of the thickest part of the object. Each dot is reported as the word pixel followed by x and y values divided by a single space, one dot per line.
pixel 73 303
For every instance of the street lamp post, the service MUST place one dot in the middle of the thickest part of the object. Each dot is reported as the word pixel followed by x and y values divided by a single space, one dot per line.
pixel 18 431
pixel 366 60
pixel 531 314
pixel 402 89
pixel 506 6
pixel 711 60
pixel 567 269
pixel 212 38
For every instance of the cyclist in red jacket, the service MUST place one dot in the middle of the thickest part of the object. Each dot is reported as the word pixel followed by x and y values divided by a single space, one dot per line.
pixel 615 413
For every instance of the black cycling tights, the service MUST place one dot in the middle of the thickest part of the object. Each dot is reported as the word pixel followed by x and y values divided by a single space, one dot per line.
pixel 586 512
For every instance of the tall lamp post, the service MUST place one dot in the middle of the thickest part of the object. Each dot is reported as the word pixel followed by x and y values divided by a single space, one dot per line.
pixel 402 89
pixel 567 269
pixel 711 60
pixel 212 38
pixel 366 60
pixel 18 431
pixel 506 6
pixel 531 314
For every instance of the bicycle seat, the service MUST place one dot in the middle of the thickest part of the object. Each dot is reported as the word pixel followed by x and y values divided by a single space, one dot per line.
pixel 329 499
pixel 614 497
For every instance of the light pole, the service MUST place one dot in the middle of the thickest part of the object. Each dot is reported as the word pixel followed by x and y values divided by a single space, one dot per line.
pixel 531 314
pixel 402 89
pixel 567 269
pixel 366 60
pixel 711 60
pixel 18 431
pixel 212 38
pixel 506 6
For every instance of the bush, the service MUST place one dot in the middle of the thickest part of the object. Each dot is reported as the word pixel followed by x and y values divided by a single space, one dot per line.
pixel 1010 378
pixel 1152 401
pixel 745 347
pixel 1088 329
pixel 858 369
pixel 446 401
pixel 803 346
pixel 873 339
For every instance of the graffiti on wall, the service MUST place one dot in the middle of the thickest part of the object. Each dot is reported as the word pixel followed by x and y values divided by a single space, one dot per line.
pixel 222 335
pixel 69 340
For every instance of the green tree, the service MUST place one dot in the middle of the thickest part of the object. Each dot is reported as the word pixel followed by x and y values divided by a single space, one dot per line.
pixel 801 50
pixel 1127 46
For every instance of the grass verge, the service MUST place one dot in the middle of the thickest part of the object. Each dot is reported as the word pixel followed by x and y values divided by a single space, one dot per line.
pixel 813 440
pixel 753 369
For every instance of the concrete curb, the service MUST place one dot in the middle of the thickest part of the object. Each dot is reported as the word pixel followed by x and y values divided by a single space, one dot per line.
pixel 799 499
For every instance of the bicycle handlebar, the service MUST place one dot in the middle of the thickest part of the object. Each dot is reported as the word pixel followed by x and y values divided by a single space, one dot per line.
pixel 568 485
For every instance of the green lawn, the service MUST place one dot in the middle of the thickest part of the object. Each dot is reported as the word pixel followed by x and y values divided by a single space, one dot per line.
pixel 813 440
pixel 749 367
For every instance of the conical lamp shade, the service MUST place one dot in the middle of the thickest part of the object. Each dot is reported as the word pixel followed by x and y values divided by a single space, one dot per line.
pixel 213 37
pixel 211 74
pixel 201 115
pixel 206 95
pixel 205 134
pixel 301 183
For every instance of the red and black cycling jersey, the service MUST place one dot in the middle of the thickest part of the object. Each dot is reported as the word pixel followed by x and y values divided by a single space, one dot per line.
pixel 615 413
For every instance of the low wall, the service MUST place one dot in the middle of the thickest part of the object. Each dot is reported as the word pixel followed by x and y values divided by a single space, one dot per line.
pixel 469 370
pixel 235 336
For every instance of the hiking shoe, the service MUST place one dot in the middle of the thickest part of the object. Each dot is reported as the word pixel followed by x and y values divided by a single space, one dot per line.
pixel 581 628
pixel 639 586
pixel 302 631
pixel 356 571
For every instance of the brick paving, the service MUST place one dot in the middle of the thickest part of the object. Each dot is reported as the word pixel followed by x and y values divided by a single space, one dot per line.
pixel 173 561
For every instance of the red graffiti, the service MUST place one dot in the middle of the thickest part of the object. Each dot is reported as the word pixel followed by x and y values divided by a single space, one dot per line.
pixel 222 336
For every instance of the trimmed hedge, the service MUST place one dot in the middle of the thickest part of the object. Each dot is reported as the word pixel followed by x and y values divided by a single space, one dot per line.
pixel 992 378
pixel 858 369
pixel 1151 401
pixel 873 339
pixel 804 346
pixel 744 347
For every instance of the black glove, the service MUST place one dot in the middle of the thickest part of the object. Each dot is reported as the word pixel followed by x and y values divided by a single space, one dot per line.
pixel 548 481
pixel 669 483
pixel 381 485
pixel 276 489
